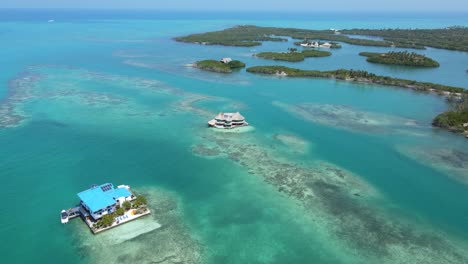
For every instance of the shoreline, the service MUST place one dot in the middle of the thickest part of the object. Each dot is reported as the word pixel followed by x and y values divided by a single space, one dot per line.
pixel 448 38
pixel 456 94
pixel 360 77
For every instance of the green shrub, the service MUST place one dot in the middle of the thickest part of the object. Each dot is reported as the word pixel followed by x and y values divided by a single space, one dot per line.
pixel 107 220
pixel 235 64
pixel 120 211
pixel 126 205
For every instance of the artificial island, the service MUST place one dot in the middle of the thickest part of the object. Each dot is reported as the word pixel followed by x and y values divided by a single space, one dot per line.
pixel 103 207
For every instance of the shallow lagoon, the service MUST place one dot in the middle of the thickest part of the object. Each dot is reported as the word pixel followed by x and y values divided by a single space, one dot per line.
pixel 288 190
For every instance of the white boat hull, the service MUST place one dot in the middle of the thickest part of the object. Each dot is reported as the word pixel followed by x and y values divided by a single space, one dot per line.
pixel 63 219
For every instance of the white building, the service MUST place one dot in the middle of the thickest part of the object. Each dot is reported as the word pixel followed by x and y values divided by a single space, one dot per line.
pixel 103 199
pixel 310 44
pixel 228 120
pixel 226 60
pixel 325 45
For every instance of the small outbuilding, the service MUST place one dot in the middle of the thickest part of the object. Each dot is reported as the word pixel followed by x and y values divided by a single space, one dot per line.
pixel 226 60
pixel 325 45
pixel 228 120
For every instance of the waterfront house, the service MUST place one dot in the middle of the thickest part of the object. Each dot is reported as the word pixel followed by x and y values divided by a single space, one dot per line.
pixel 228 120
pixel 325 45
pixel 226 60
pixel 100 200
pixel 310 44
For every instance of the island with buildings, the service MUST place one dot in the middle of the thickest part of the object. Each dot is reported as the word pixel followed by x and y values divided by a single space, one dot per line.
pixel 402 58
pixel 452 38
pixel 317 44
pixel 225 65
pixel 292 55
pixel 228 121
pixel 449 38
pixel 104 206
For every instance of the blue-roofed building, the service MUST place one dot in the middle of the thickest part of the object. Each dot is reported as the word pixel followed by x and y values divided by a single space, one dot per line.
pixel 103 199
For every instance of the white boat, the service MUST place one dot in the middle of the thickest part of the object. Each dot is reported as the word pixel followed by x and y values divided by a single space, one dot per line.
pixel 64 217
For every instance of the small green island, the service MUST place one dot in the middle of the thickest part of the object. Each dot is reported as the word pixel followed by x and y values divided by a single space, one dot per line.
pixel 225 65
pixel 293 55
pixel 455 120
pixel 403 58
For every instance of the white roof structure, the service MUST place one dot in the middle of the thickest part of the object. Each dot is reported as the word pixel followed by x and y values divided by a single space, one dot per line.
pixel 226 60
pixel 229 116
pixel 325 45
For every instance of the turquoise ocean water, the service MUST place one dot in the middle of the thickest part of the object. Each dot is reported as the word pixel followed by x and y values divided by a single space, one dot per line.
pixel 105 96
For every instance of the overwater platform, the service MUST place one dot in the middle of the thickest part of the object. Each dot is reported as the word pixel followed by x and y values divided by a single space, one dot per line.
pixel 104 207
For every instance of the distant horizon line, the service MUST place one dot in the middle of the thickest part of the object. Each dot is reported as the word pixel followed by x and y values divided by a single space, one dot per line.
pixel 241 10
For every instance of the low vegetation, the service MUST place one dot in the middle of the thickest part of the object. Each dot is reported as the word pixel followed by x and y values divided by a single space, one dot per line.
pixel 455 120
pixel 218 66
pixel 400 58
pixel 356 75
pixel 127 205
pixel 292 55
pixel 249 35
pixel 107 220
pixel 451 38
pixel 139 201
pixel 120 211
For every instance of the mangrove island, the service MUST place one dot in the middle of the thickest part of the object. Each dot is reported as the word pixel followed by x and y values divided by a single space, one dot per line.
pixel 359 76
pixel 450 38
pixel 292 55
pixel 403 58
pixel 225 65
pixel 453 38
pixel 455 120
